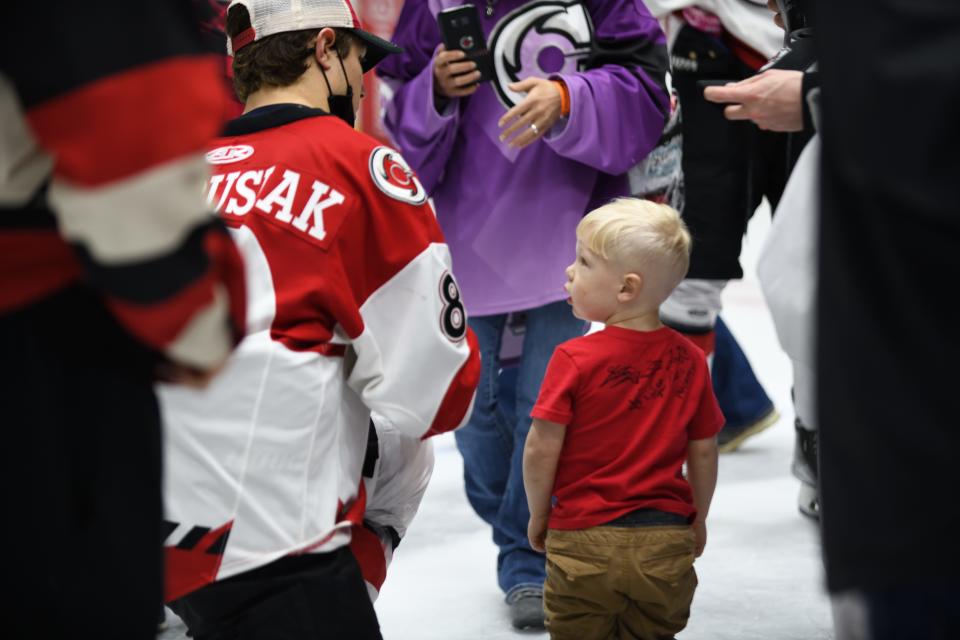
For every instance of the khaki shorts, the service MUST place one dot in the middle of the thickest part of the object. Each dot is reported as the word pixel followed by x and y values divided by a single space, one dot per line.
pixel 617 582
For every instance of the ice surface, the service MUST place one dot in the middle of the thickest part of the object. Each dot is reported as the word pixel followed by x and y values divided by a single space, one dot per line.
pixel 761 577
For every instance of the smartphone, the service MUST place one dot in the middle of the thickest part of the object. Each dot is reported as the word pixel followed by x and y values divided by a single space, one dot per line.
pixel 460 29
pixel 703 84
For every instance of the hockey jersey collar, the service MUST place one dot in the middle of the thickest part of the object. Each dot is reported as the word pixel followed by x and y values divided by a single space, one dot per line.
pixel 268 117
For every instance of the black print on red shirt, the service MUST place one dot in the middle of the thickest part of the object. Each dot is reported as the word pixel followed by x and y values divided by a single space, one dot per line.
pixel 650 392
pixel 621 374
pixel 673 374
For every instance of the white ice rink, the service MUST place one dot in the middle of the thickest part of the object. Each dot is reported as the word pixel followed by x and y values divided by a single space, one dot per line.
pixel 761 576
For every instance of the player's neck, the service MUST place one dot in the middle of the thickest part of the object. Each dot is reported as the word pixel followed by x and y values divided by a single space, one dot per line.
pixel 305 92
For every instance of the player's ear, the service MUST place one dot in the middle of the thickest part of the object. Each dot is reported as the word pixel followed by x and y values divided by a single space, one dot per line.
pixel 630 287
pixel 325 50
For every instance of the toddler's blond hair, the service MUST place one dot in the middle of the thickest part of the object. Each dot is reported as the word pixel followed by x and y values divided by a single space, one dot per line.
pixel 640 236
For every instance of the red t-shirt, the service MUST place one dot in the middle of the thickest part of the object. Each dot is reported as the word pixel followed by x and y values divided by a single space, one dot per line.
pixel 631 401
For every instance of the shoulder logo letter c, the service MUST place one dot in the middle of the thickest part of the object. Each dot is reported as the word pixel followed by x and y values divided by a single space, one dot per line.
pixel 393 176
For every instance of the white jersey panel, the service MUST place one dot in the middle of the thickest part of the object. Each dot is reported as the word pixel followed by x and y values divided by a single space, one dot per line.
pixel 291 470
pixel 283 450
pixel 391 373
pixel 261 298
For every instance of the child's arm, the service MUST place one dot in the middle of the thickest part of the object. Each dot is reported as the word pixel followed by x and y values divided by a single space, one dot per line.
pixel 702 476
pixel 540 455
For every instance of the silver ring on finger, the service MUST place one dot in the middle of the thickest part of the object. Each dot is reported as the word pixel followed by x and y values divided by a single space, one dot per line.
pixel 535 130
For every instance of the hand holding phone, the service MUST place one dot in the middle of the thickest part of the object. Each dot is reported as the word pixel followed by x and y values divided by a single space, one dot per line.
pixel 454 75
pixel 703 85
pixel 460 30
pixel 772 100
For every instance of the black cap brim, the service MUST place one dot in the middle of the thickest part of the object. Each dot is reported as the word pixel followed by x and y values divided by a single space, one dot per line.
pixel 377 48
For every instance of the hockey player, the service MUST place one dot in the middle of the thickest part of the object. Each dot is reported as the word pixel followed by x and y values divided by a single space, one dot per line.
pixel 353 310
pixel 112 272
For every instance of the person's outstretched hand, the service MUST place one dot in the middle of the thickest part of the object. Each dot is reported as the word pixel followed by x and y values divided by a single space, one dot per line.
pixel 771 99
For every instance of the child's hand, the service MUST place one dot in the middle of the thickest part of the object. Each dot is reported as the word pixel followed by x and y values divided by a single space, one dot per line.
pixel 700 536
pixel 537 533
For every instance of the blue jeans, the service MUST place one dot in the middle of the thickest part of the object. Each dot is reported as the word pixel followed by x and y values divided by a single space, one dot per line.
pixel 492 441
pixel 739 393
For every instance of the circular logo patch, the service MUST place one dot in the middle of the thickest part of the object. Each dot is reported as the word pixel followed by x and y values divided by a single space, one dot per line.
pixel 539 39
pixel 392 174
pixel 226 155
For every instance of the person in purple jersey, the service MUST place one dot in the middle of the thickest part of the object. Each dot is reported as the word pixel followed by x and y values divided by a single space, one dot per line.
pixel 576 99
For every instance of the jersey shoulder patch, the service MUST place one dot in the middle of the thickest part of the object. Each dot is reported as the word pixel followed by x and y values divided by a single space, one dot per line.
pixel 230 153
pixel 393 176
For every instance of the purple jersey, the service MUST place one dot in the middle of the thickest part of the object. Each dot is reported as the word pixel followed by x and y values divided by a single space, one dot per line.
pixel 509 215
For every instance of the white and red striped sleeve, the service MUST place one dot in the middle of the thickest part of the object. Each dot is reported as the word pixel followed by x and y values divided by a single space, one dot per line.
pixel 418 363
pixel 395 489
pixel 124 125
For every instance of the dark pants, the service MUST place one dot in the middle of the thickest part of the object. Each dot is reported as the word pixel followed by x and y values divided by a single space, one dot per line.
pixel 309 597
pixel 81 474
pixel 887 347
pixel 926 611
pixel 740 395
pixel 728 167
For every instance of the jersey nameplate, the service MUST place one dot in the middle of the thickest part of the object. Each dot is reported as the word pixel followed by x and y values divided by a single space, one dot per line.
pixel 282 194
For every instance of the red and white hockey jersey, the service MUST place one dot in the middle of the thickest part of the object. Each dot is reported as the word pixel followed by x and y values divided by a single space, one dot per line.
pixel 352 308
pixel 101 172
